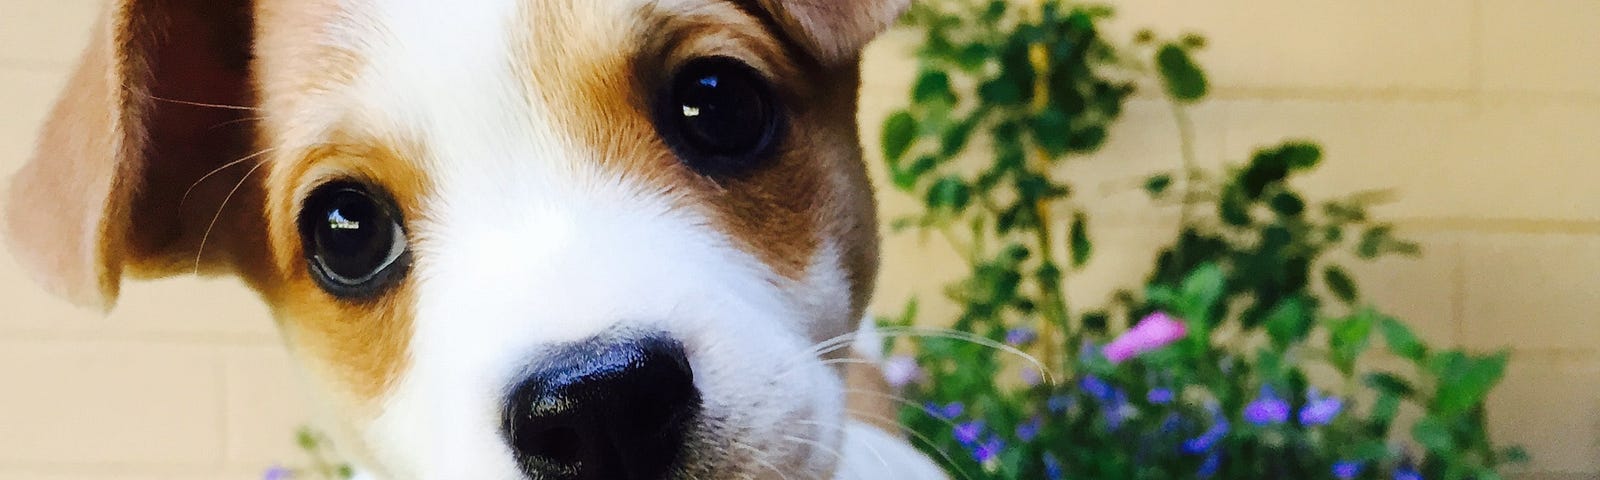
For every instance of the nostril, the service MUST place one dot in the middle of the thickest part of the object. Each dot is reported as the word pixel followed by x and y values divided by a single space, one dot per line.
pixel 560 446
pixel 604 409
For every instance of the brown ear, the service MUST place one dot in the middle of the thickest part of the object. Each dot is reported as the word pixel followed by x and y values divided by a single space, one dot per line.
pixel 835 30
pixel 161 97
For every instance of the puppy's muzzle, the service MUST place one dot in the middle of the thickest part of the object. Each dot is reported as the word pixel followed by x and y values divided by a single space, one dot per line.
pixel 604 409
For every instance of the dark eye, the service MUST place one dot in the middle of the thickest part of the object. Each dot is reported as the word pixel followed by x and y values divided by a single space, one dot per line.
pixel 353 239
pixel 719 116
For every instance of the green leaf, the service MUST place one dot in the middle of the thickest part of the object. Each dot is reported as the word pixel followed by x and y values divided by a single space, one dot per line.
pixel 1184 80
pixel 1157 184
pixel 1515 454
pixel 906 178
pixel 1340 283
pixel 1201 290
pixel 1050 131
pixel 1350 338
pixel 1082 248
pixel 1384 411
pixel 1288 204
pixel 1301 155
pixel 1401 340
pixel 1389 383
pixel 931 86
pixel 949 193
pixel 1434 434
pixel 899 131
pixel 1465 382
pixel 1289 321
pixel 306 439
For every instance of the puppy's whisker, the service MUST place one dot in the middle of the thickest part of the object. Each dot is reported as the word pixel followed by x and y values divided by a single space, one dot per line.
pixel 817 445
pixel 201 251
pixel 840 429
pixel 760 458
pixel 186 193
pixel 234 121
pixel 949 334
pixel 934 446
pixel 200 104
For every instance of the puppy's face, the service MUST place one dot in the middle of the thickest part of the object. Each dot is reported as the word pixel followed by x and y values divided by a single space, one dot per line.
pixel 507 238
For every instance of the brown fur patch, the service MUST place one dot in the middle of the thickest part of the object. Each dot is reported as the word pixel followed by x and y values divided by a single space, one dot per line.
pixel 813 189
pixel 363 344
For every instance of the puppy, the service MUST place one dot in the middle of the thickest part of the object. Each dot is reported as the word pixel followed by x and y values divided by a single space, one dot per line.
pixel 505 239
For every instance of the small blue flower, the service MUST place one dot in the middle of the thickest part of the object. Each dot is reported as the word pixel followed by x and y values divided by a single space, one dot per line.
pixel 967 433
pixel 1210 465
pixel 1207 440
pixel 1095 387
pixel 1021 336
pixel 948 412
pixel 1052 468
pixel 1346 470
pixel 1267 408
pixel 1406 473
pixel 277 473
pixel 1059 403
pixel 1115 413
pixel 989 450
pixel 1159 396
pixel 1320 409
pixel 1030 430
pixel 1171 423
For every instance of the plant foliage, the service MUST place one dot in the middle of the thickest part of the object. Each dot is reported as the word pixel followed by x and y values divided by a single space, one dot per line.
pixel 1271 377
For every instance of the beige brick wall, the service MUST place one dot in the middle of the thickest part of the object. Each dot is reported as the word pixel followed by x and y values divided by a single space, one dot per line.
pixel 1481 112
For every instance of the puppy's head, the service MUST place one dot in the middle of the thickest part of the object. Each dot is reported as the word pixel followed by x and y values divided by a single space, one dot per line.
pixel 506 238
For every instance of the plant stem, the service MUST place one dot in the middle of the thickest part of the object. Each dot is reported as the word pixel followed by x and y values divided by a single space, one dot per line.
pixel 1054 303
pixel 1191 165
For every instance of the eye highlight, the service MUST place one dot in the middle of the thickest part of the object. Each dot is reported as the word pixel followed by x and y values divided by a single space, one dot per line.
pixel 353 239
pixel 719 116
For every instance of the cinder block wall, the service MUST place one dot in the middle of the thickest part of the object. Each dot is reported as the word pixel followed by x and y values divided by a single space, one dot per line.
pixel 1480 112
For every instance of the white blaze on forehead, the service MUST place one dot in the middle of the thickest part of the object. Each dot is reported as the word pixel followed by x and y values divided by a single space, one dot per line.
pixel 525 242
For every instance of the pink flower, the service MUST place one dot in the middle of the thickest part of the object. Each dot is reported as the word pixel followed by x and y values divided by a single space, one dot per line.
pixel 1155 331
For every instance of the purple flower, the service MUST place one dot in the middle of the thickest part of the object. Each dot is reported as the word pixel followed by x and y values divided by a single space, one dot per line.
pixel 1018 337
pixel 1209 466
pixel 1059 403
pixel 988 451
pixel 967 433
pixel 1096 387
pixel 1115 411
pixel 1266 409
pixel 1320 409
pixel 901 370
pixel 947 412
pixel 1207 440
pixel 1406 473
pixel 277 473
pixel 1052 468
pixel 1159 396
pixel 1030 430
pixel 1346 470
pixel 1152 333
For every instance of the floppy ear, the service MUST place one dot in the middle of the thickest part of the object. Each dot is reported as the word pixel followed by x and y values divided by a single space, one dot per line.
pixel 105 188
pixel 835 30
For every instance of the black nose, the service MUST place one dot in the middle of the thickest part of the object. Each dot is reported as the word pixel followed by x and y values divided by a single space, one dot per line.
pixel 604 409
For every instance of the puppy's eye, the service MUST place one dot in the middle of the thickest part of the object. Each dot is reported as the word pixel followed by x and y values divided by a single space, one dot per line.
pixel 719 116
pixel 353 239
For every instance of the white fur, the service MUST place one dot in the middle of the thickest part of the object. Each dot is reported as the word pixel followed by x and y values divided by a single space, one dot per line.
pixel 527 243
